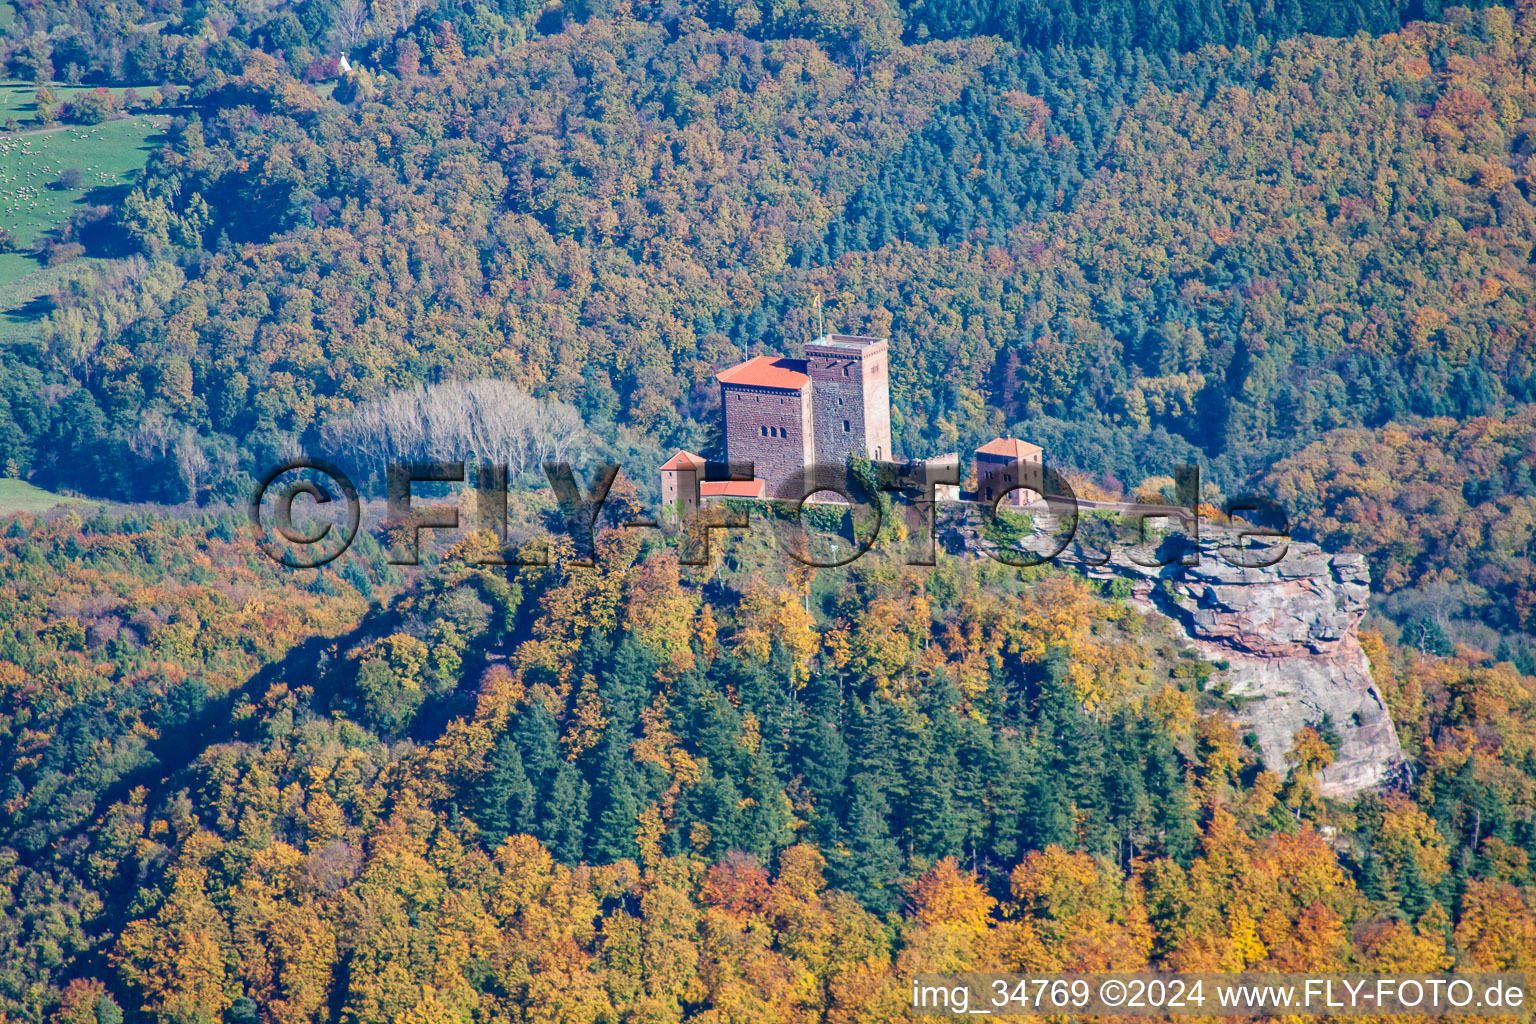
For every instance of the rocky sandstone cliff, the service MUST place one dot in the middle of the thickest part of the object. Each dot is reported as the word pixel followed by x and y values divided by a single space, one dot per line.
pixel 1289 636
pixel 1286 631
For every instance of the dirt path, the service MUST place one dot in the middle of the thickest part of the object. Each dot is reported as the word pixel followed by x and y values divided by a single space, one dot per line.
pixel 40 131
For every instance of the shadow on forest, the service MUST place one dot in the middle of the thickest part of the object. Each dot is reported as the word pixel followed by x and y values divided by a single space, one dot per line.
pixel 177 749
pixel 105 195
pixel 31 311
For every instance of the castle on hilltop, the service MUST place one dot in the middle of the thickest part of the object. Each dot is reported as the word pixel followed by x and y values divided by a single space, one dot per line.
pixel 786 415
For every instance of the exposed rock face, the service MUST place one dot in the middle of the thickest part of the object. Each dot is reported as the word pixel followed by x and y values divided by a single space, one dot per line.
pixel 1286 630
pixel 1288 633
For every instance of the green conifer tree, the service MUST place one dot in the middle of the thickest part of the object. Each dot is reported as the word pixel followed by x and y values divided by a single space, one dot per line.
pixel 504 804
pixel 869 864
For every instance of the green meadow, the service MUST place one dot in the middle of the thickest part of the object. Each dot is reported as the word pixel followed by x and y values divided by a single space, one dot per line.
pixel 25 300
pixel 108 157
pixel 20 496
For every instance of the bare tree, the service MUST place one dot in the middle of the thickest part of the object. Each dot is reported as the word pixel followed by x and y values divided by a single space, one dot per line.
pixel 490 420
pixel 154 435
pixel 191 463
pixel 859 51
pixel 352 23
pixel 406 12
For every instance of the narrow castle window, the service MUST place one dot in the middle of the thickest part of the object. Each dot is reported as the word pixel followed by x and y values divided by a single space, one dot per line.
pixel 845 371
pixel 847 426
pixel 764 430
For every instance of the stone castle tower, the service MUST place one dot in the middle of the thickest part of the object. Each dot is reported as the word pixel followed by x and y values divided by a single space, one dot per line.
pixel 851 397
pixel 788 414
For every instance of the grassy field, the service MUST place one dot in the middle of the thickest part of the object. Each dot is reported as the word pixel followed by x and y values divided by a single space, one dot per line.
pixel 108 157
pixel 24 301
pixel 18 100
pixel 20 496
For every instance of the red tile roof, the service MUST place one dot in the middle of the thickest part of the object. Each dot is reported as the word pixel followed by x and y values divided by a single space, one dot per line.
pixel 767 372
pixel 683 460
pixel 1011 447
pixel 731 489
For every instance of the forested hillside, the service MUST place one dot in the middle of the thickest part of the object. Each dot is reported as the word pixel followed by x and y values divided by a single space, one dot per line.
pixel 1289 241
pixel 706 795
pixel 1260 253
pixel 1444 504
pixel 1130 255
